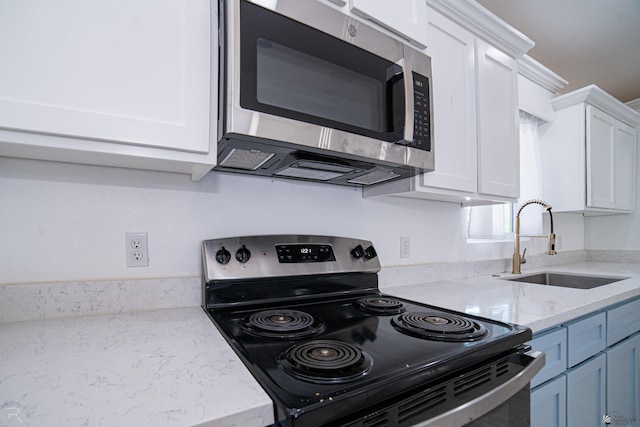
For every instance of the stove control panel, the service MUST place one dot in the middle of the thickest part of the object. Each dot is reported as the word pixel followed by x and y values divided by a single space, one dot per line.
pixel 286 255
pixel 305 253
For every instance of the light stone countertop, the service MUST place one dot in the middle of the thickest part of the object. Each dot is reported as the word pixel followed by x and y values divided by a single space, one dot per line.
pixel 171 367
pixel 163 368
pixel 536 306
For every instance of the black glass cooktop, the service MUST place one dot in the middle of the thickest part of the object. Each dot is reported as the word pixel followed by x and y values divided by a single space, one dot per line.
pixel 311 354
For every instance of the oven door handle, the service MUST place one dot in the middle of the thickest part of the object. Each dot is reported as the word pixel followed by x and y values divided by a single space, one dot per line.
pixel 487 402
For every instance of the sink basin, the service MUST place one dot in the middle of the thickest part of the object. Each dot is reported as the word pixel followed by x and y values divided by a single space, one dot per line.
pixel 567 280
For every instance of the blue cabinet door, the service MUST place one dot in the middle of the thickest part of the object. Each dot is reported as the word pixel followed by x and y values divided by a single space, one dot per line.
pixel 586 337
pixel 623 382
pixel 586 393
pixel 554 346
pixel 623 321
pixel 549 404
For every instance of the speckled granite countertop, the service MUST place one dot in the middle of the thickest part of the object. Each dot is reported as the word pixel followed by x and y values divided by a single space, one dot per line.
pixel 536 306
pixel 171 367
pixel 162 368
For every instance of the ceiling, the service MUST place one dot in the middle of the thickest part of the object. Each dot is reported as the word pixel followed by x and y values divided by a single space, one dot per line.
pixel 583 41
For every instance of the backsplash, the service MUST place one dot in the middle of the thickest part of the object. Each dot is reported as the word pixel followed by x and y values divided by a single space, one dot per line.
pixel 64 299
pixel 67 223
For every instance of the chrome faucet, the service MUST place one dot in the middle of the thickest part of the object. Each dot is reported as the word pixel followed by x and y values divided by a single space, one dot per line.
pixel 551 250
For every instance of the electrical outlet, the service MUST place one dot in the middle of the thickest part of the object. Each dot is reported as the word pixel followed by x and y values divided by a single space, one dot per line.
pixel 405 247
pixel 136 249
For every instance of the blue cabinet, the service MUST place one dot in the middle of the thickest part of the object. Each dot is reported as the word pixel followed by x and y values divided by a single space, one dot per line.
pixel 592 375
pixel 549 403
pixel 623 382
pixel 586 337
pixel 586 387
pixel 554 345
pixel 623 321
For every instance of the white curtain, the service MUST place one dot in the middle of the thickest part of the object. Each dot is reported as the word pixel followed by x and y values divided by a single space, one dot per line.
pixel 490 222
pixel 530 175
pixel 486 222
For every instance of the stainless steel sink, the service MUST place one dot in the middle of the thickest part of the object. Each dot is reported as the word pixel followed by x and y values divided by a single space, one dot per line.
pixel 566 280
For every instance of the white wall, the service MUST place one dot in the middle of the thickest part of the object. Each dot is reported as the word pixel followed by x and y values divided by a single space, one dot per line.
pixel 65 222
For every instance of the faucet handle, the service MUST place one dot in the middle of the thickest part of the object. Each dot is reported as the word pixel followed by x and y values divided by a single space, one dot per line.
pixel 523 260
pixel 552 245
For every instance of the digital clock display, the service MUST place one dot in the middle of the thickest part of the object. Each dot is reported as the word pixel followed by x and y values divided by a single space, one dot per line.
pixel 304 253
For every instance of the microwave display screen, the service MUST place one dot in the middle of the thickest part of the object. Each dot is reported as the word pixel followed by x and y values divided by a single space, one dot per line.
pixel 293 80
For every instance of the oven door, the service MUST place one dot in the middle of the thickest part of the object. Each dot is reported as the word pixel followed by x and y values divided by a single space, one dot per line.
pixel 506 405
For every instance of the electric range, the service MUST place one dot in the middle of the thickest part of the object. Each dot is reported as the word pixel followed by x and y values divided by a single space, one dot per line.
pixel 305 315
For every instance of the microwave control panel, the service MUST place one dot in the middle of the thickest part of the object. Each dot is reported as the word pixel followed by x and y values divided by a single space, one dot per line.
pixel 422 114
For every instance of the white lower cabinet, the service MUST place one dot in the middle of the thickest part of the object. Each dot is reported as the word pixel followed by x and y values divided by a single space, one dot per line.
pixel 549 403
pixel 592 373
pixel 586 385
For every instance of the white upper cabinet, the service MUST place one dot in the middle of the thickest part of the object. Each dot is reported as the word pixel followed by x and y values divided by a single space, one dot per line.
pixel 498 132
pixel 407 18
pixel 475 108
pixel 454 100
pixel 626 143
pixel 589 154
pixel 119 82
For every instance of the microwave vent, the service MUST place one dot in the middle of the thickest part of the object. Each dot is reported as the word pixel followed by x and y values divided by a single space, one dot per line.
pixel 374 177
pixel 318 171
pixel 246 159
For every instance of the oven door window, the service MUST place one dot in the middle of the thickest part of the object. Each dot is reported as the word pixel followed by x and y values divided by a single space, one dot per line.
pixel 291 70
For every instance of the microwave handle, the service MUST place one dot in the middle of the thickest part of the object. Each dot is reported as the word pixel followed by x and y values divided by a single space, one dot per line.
pixel 401 114
pixel 409 103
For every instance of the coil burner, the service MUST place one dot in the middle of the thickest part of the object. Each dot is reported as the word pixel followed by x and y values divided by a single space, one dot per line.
pixel 380 305
pixel 282 324
pixel 439 327
pixel 325 361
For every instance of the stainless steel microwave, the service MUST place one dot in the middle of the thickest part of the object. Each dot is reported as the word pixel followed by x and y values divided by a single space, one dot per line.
pixel 307 92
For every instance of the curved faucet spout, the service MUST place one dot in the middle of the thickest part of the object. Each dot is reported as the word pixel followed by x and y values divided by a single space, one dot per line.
pixel 517 258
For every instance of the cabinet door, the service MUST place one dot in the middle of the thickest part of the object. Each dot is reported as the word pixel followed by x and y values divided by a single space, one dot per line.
pixel 600 159
pixel 623 321
pixel 585 338
pixel 452 51
pixel 405 17
pixel 131 72
pixel 554 346
pixel 586 393
pixel 549 404
pixel 497 118
pixel 625 166
pixel 623 382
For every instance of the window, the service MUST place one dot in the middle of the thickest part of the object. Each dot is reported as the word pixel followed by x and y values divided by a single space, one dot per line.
pixel 490 222
pixel 496 221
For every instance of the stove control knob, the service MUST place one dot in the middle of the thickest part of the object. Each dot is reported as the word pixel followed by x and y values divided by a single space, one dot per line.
pixel 223 256
pixel 370 252
pixel 243 254
pixel 357 252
